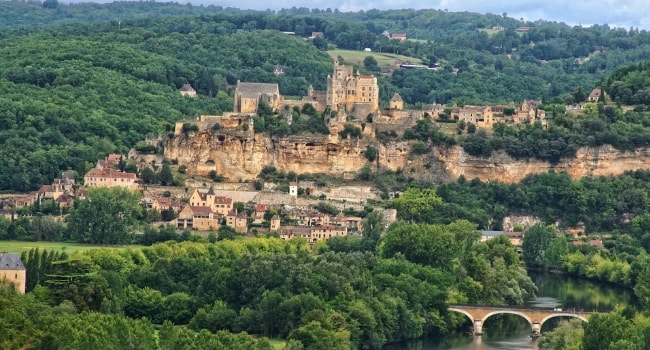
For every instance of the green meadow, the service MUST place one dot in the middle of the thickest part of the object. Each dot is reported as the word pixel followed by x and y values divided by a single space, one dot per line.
pixel 68 247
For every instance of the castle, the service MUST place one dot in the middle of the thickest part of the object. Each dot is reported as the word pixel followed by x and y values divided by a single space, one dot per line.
pixel 347 93
pixel 352 93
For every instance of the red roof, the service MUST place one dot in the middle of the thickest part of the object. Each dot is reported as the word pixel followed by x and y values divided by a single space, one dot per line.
pixel 107 172
pixel 201 210
pixel 260 208
pixel 164 201
pixel 222 200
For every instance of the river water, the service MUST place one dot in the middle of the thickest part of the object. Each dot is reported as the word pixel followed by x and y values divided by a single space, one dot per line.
pixel 505 332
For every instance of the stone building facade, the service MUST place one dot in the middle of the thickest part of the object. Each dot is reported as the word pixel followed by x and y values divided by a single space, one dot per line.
pixel 13 271
pixel 351 93
pixel 248 96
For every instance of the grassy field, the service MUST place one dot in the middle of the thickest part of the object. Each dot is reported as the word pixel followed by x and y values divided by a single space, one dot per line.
pixel 489 31
pixel 385 61
pixel 20 246
pixel 278 344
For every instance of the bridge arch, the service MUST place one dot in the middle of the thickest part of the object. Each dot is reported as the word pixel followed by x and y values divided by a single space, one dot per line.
pixel 470 316
pixel 511 312
pixel 562 314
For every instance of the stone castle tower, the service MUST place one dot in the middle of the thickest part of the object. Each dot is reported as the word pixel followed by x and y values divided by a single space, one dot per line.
pixel 351 93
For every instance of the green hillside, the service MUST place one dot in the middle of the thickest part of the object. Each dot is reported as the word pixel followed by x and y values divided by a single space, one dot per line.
pixel 69 95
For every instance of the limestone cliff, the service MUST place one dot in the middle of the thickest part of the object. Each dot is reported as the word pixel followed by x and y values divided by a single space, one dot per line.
pixel 243 156
pixel 589 161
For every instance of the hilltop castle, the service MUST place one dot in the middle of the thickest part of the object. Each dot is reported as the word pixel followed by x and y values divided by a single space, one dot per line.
pixel 352 93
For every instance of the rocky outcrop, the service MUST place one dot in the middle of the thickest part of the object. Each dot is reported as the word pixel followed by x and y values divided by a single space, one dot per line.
pixel 240 157
pixel 243 156
pixel 589 161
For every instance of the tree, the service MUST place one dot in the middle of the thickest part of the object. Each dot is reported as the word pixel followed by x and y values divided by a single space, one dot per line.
pixel 418 204
pixel 147 175
pixel 370 63
pixel 313 336
pixel 371 153
pixel 535 245
pixel 166 177
pixel 106 216
pixel 567 335
pixel 603 330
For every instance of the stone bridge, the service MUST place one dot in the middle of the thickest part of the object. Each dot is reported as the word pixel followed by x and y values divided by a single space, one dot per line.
pixel 535 316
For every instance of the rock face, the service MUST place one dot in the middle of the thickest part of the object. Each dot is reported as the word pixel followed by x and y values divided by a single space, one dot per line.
pixel 243 156
pixel 240 157
pixel 589 161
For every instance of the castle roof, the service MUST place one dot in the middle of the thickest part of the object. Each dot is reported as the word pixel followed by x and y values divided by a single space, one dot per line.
pixel 10 261
pixel 256 89
pixel 396 98
pixel 187 87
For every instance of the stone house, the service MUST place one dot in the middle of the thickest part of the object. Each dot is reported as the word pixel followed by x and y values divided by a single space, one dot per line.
pixel 64 200
pixel 311 218
pixel 258 215
pixel 187 90
pixel 198 218
pixel 237 220
pixel 110 162
pixel 312 233
pixel 398 36
pixel 20 201
pixel 275 223
pixel 218 204
pixel 165 203
pixel 594 95
pixel 396 102
pixel 326 232
pixel 248 96
pixel 108 177
pixel 13 271
pixel 529 111
pixel 515 237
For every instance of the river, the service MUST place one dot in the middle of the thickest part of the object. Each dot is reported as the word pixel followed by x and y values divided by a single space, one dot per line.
pixel 505 332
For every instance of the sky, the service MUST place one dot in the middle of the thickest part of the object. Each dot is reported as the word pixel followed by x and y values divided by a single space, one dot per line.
pixel 616 13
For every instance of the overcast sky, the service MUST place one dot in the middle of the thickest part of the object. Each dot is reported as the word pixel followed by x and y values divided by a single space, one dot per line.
pixel 619 13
